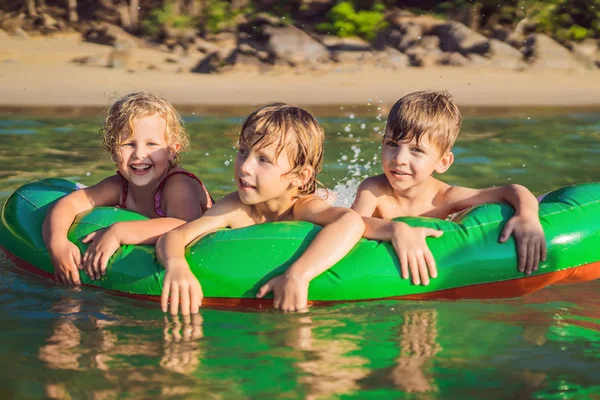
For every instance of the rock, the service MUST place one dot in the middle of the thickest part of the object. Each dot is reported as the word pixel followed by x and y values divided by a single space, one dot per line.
pixel 48 21
pixel 225 42
pixel 393 59
pixel 245 48
pixel 121 57
pixel 205 46
pixel 110 35
pixel 452 59
pixel 427 23
pixel 262 18
pixel 547 53
pixel 587 53
pixel 419 57
pixel 208 64
pixel 20 33
pixel 353 56
pixel 93 60
pixel 290 43
pixel 456 37
pixel 335 43
pixel 504 55
pixel 430 42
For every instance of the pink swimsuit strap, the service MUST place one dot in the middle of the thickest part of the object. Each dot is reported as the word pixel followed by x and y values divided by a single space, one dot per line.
pixel 158 193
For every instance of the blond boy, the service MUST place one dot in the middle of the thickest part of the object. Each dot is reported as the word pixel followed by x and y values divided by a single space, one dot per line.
pixel 420 132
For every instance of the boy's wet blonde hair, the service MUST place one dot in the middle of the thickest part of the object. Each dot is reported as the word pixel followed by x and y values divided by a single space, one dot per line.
pixel 293 129
pixel 425 113
pixel 118 126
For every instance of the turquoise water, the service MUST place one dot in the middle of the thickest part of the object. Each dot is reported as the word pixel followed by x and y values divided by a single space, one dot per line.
pixel 67 343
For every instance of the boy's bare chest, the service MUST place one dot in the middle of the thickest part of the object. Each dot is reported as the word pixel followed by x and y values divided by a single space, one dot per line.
pixel 392 208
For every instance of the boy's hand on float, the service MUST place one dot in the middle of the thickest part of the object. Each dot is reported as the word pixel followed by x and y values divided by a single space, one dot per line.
pixel 290 292
pixel 104 243
pixel 413 252
pixel 530 238
pixel 66 259
pixel 183 288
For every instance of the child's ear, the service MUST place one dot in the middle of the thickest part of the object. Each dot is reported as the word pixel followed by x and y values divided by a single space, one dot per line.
pixel 114 157
pixel 303 176
pixel 173 150
pixel 445 162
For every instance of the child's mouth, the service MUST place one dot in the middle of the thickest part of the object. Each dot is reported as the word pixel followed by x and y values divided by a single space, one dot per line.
pixel 400 173
pixel 140 169
pixel 246 185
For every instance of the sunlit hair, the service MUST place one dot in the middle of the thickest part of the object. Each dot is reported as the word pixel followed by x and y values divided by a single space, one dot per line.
pixel 118 126
pixel 293 129
pixel 425 113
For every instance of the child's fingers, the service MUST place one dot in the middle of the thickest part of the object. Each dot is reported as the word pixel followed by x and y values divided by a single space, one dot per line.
pixel 536 256
pixel 423 270
pixel 184 300
pixel 76 257
pixel 431 264
pixel 543 249
pixel 433 233
pixel 507 231
pixel 90 237
pixel 74 277
pixel 522 255
pixel 531 253
pixel 195 299
pixel 103 264
pixel 404 265
pixel 264 289
pixel 174 299
pixel 164 297
pixel 414 269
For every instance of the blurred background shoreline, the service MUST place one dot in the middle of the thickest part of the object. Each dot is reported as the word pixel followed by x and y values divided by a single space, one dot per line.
pixel 220 57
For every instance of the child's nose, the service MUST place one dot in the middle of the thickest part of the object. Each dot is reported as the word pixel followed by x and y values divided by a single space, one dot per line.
pixel 401 156
pixel 140 152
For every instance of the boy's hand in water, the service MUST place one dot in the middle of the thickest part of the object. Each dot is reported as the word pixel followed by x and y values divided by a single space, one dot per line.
pixel 66 259
pixel 413 252
pixel 104 243
pixel 530 238
pixel 183 287
pixel 290 292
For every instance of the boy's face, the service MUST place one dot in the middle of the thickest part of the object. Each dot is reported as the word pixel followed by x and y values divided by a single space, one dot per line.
pixel 261 173
pixel 145 157
pixel 407 164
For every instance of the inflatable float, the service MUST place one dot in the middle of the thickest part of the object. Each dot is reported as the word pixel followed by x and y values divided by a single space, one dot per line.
pixel 232 264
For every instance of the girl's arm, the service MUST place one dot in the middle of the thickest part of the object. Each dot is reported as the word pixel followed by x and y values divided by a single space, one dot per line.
pixel 182 203
pixel 524 225
pixel 180 283
pixel 64 254
pixel 342 229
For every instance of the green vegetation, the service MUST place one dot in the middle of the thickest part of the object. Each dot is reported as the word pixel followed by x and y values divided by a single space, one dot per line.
pixel 218 15
pixel 344 20
pixel 166 17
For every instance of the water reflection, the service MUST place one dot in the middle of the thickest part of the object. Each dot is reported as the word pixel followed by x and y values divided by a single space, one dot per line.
pixel 418 346
pixel 328 368
pixel 182 351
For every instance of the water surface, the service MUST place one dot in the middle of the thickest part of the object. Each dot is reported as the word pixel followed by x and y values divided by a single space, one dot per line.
pixel 62 343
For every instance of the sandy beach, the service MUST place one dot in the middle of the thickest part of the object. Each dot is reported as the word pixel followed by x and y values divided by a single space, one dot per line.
pixel 39 72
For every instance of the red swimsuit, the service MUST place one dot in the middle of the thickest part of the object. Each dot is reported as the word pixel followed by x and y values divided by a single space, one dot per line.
pixel 158 193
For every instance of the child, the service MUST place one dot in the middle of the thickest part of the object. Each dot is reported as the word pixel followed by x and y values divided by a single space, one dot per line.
pixel 420 132
pixel 280 153
pixel 144 135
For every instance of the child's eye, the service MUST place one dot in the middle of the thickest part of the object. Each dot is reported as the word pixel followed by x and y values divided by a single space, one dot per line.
pixel 152 144
pixel 129 144
pixel 416 150
pixel 391 143
pixel 243 152
pixel 264 159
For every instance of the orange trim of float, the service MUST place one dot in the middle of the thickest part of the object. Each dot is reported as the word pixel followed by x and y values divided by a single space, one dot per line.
pixel 493 290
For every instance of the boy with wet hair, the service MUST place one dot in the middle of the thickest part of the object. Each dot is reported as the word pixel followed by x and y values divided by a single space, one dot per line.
pixel 420 132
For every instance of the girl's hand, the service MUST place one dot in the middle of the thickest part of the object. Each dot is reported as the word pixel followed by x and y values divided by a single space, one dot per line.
pixel 183 287
pixel 290 292
pixel 66 259
pixel 531 242
pixel 104 244
pixel 413 252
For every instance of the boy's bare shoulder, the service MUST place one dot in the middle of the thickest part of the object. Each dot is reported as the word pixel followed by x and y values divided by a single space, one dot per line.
pixel 377 185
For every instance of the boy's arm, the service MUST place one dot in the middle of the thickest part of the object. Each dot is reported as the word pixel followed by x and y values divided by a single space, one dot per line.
pixel 410 246
pixel 180 283
pixel 64 254
pixel 342 229
pixel 525 224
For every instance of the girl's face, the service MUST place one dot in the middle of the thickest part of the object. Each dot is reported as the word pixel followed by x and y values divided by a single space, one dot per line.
pixel 261 175
pixel 146 157
pixel 408 164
